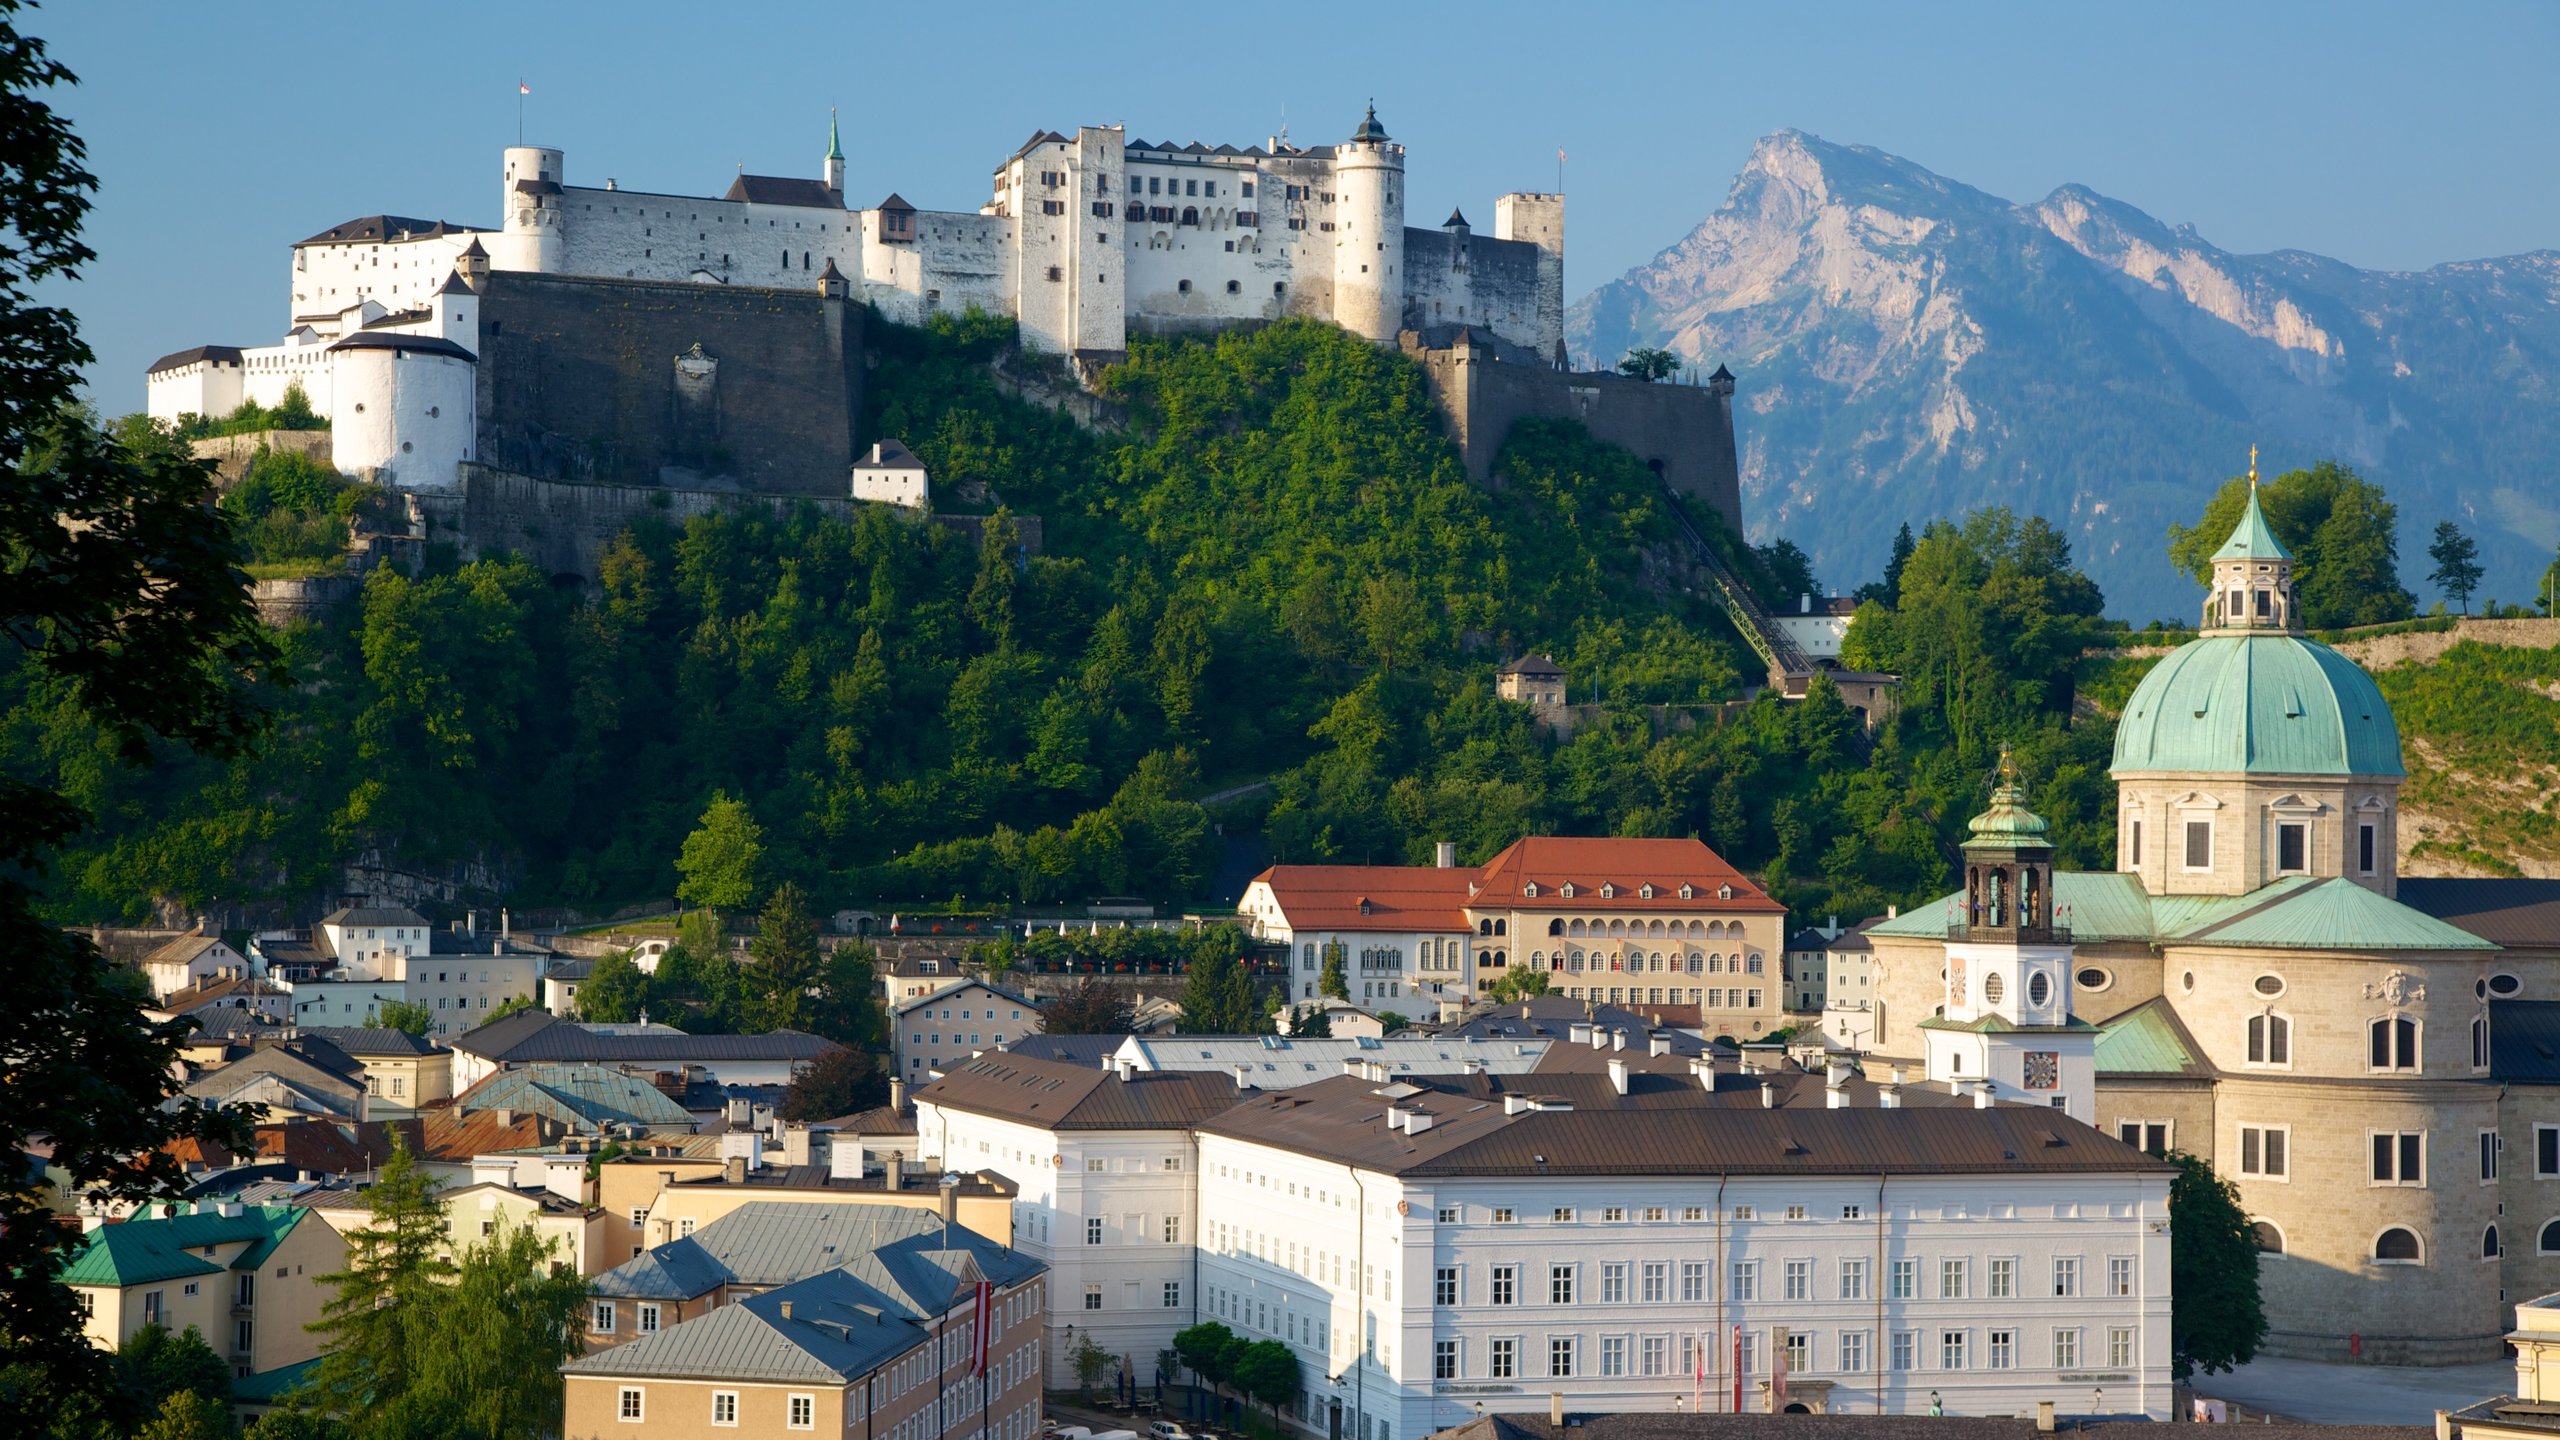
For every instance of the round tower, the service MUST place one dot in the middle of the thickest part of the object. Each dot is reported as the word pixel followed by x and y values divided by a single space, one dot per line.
pixel 1368 240
pixel 402 408
pixel 532 236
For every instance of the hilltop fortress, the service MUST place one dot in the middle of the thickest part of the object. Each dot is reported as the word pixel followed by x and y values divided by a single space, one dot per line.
pixel 624 337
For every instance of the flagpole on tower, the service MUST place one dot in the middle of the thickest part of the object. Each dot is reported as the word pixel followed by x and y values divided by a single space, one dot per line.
pixel 522 90
pixel 1559 169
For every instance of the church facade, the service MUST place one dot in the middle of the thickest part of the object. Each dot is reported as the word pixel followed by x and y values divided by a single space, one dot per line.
pixel 2368 1058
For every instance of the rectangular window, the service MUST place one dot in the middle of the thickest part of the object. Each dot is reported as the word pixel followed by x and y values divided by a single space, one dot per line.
pixel 724 1407
pixel 1656 1354
pixel 2546 1152
pixel 1951 1349
pixel 802 1412
pixel 1444 1285
pixel 1799 1351
pixel 1502 1215
pixel 2133 844
pixel 1853 1350
pixel 1906 1349
pixel 2199 845
pixel 1693 1280
pixel 2293 847
pixel 2488 1155
pixel 2120 1346
pixel 2399 1157
pixel 1093 1297
pixel 1559 1284
pixel 2365 834
pixel 1657 1282
pixel 2004 1279
pixel 1093 1231
pixel 1746 1281
pixel 602 1321
pixel 2066 1275
pixel 2262 1150
pixel 1905 1279
pixel 1173 1229
pixel 1563 1215
pixel 1173 1294
pixel 1796 1280
pixel 1448 1215
pixel 2066 1349
pixel 629 1407
pixel 1853 1279
pixel 648 1319
pixel 2002 1351
pixel 1951 1278
pixel 1613 1283
pixel 1503 1360
pixel 1560 1357
pixel 1505 1284
pixel 2148 1136
pixel 2120 1275
pixel 1444 1359
pixel 1613 1355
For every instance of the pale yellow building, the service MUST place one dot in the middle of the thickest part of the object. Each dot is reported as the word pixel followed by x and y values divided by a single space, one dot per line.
pixel 244 1276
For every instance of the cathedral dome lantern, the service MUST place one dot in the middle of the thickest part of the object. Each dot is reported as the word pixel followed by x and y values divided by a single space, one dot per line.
pixel 2252 574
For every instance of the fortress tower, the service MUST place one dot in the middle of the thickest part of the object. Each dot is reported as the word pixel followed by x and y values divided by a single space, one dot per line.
pixel 1368 253
pixel 533 235
pixel 831 170
pixel 1538 218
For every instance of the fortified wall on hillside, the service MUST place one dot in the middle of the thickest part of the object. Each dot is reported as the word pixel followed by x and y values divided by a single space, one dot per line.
pixel 715 345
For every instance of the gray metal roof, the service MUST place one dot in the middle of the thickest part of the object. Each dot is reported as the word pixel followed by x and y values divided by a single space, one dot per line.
pixel 897 1252
pixel 1277 1062
pixel 533 1036
pixel 836 1331
pixel 371 1040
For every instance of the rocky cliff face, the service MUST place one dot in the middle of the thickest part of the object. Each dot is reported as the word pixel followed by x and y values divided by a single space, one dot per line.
pixel 1910 347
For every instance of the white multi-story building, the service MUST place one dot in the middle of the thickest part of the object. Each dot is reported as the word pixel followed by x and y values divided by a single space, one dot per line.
pixel 1104 1160
pixel 1429 1245
pixel 355 961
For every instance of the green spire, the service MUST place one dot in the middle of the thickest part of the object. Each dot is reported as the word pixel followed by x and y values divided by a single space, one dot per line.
pixel 2253 538
pixel 835 150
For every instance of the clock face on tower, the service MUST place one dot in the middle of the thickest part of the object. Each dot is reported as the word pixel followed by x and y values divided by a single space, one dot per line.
pixel 1955 980
pixel 2043 1070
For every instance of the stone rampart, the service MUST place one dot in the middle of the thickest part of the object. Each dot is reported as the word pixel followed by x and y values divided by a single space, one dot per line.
pixel 231 454
pixel 1684 433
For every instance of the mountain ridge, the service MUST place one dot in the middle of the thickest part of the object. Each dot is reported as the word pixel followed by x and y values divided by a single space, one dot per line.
pixel 1910 346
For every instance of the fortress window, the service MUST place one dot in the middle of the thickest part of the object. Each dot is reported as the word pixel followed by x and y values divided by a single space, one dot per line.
pixel 1246 190
pixel 1056 274
pixel 1154 186
pixel 1191 187
pixel 1184 286
pixel 1234 288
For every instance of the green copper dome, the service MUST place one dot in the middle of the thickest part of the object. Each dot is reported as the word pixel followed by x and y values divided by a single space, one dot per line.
pixel 2253 538
pixel 2258 704
pixel 2008 824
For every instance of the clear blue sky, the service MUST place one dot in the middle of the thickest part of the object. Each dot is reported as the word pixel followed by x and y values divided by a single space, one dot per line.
pixel 2382 134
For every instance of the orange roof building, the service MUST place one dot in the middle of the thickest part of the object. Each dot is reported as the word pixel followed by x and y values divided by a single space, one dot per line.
pixel 1608 921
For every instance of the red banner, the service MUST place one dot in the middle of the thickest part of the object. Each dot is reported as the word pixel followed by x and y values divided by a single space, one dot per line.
pixel 1737 1369
pixel 986 1325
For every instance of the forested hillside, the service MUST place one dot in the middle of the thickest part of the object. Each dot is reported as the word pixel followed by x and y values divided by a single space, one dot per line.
pixel 1275 568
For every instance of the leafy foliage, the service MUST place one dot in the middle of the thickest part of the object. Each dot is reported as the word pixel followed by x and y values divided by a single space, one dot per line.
pixel 292 411
pixel 411 1017
pixel 1217 997
pixel 841 1081
pixel 1647 362
pixel 2216 1316
pixel 2457 558
pixel 2339 528
pixel 124 609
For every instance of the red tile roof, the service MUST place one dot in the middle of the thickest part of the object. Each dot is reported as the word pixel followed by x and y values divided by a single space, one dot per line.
pixel 1553 861
pixel 1391 898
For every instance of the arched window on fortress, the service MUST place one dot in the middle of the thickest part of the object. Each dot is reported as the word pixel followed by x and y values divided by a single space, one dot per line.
pixel 2391 1043
pixel 2399 1246
pixel 2270 1039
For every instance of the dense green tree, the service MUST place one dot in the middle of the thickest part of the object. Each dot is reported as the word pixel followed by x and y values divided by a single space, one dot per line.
pixel 789 969
pixel 615 991
pixel 1217 997
pixel 1311 1022
pixel 1790 573
pixel 842 1081
pixel 2216 1316
pixel 187 1415
pixel 1208 1348
pixel 490 1342
pixel 411 1017
pixel 1647 363
pixel 125 613
pixel 1887 592
pixel 1090 1362
pixel 721 857
pixel 369 1358
pixel 160 1364
pixel 1334 981
pixel 1268 1371
pixel 1091 1006
pixel 2457 558
pixel 1518 982
pixel 2340 530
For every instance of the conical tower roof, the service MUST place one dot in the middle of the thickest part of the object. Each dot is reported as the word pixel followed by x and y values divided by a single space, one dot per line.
pixel 1370 129
pixel 835 148
pixel 2253 538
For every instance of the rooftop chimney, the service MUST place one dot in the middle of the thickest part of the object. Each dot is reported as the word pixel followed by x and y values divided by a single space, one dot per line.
pixel 1893 912
pixel 1658 1044
pixel 1471 1066
pixel 1618 1075
pixel 891 1170
pixel 1804 602
pixel 1835 1097
pixel 1768 1095
pixel 736 1171
pixel 897 1093
pixel 1244 1077
pixel 786 1309
pixel 1514 1104
pixel 1982 1095
pixel 2044 1416
pixel 1577 1033
pixel 950 1203
pixel 1417 1121
pixel 1445 855
pixel 1599 1038
pixel 1618 1038
pixel 1889 1095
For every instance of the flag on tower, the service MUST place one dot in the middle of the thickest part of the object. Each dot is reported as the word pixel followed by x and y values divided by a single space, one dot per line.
pixel 523 89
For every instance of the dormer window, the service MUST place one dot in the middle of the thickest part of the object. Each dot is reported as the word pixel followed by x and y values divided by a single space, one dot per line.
pixel 1724 892
pixel 1530 889
pixel 1364 904
pixel 1645 890
pixel 1566 890
pixel 1688 892
pixel 1608 890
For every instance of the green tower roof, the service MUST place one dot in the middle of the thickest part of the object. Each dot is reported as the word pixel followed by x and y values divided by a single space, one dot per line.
pixel 2257 704
pixel 2253 538
pixel 835 150
pixel 2008 824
